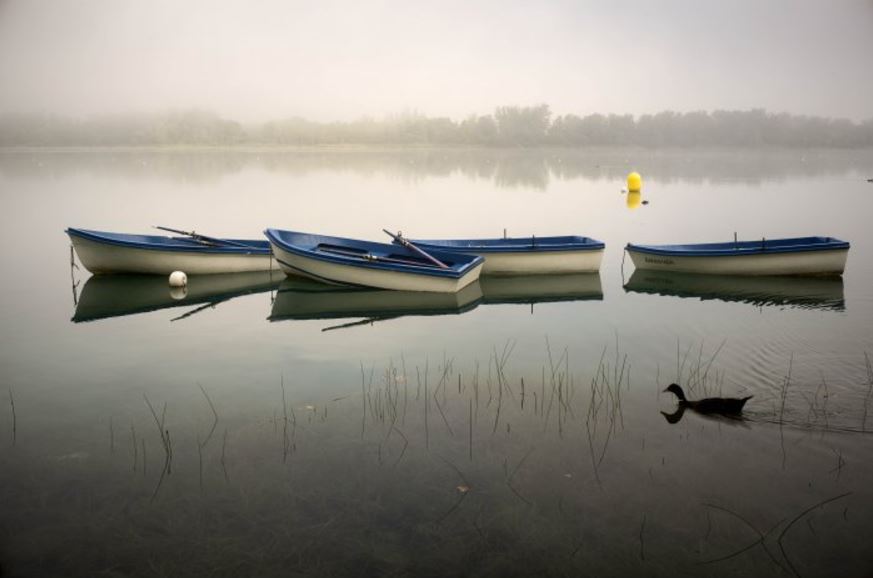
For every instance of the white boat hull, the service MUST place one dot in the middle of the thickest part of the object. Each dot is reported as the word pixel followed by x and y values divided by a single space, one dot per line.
pixel 541 263
pixel 106 258
pixel 825 262
pixel 342 274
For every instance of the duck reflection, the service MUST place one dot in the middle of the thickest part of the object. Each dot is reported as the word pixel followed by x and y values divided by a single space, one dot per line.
pixel 106 296
pixel 733 420
pixel 780 291
pixel 676 417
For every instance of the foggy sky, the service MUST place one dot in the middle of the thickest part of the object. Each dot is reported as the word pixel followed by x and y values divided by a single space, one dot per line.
pixel 340 60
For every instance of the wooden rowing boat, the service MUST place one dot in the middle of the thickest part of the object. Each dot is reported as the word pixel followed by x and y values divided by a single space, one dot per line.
pixel 353 262
pixel 527 255
pixel 103 252
pixel 823 256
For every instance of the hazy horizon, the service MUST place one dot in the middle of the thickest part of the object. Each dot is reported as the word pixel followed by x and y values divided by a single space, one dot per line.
pixel 339 61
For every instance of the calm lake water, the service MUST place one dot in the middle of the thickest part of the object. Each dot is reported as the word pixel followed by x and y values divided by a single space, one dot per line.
pixel 262 426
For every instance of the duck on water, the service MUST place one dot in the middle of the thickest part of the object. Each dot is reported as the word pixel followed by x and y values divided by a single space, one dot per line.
pixel 726 406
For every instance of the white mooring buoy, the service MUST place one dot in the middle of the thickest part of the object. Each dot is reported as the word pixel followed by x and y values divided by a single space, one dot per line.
pixel 178 279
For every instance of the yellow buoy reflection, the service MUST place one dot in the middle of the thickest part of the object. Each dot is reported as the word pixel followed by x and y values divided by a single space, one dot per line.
pixel 634 199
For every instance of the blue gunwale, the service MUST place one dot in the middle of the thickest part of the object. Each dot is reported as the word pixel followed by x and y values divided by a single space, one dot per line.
pixel 512 244
pixel 742 248
pixel 165 243
pixel 307 245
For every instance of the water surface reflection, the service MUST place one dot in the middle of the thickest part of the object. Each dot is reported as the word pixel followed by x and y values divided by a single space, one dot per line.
pixel 466 437
pixel 300 298
pixel 105 296
pixel 504 168
pixel 801 292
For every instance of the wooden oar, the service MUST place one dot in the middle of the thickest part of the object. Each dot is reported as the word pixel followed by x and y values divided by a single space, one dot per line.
pixel 400 239
pixel 196 310
pixel 365 321
pixel 370 257
pixel 205 239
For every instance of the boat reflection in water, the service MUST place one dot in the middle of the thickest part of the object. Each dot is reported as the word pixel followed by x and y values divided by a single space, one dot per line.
pixel 300 298
pixel 530 289
pixel 781 291
pixel 105 296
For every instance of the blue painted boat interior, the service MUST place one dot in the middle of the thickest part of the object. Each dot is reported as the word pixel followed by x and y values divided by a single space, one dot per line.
pixel 761 246
pixel 165 243
pixel 514 244
pixel 369 254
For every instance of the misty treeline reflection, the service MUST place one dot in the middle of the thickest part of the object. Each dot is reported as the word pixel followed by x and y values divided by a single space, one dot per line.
pixel 503 167
pixel 507 126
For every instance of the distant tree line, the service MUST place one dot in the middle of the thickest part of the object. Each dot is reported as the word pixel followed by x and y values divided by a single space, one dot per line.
pixel 192 127
pixel 508 126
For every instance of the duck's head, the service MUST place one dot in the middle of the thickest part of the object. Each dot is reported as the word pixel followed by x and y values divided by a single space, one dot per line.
pixel 676 390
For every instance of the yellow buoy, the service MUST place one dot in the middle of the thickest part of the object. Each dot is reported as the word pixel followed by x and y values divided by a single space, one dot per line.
pixel 634 182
